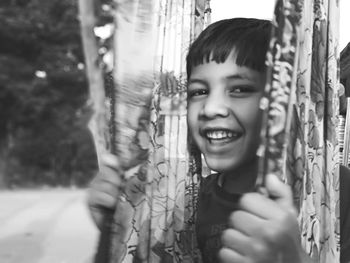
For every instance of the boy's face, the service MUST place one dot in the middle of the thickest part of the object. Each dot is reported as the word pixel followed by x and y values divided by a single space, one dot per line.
pixel 223 113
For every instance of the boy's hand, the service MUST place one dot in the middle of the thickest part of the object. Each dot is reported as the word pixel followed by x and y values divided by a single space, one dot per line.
pixel 104 188
pixel 265 229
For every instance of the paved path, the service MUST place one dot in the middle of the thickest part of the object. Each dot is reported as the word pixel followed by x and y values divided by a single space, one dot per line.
pixel 46 226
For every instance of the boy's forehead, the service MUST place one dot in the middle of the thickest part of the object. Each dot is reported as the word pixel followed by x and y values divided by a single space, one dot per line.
pixel 227 70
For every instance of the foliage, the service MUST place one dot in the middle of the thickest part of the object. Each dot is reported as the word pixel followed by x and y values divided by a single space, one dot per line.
pixel 44 138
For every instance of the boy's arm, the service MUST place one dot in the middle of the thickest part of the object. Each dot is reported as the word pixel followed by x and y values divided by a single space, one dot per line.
pixel 104 189
pixel 265 229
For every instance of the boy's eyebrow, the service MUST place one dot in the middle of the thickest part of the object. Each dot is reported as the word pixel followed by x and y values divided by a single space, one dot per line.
pixel 238 76
pixel 190 81
pixel 241 76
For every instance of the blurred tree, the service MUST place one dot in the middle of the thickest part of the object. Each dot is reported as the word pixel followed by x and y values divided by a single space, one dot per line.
pixel 43 91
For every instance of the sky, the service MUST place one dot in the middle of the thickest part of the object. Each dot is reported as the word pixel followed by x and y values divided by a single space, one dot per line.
pixel 264 9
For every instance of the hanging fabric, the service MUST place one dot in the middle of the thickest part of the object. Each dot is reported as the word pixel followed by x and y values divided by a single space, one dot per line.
pixel 314 150
pixel 138 91
pixel 299 141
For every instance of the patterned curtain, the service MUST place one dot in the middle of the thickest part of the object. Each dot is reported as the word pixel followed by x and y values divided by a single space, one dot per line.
pixel 137 83
pixel 138 91
pixel 299 141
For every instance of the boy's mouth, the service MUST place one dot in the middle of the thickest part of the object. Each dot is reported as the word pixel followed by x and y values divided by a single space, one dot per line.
pixel 221 135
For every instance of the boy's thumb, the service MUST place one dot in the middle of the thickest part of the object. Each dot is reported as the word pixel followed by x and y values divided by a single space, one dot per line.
pixel 279 191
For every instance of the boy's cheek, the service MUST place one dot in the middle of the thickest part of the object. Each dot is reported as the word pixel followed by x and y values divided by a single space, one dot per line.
pixel 192 119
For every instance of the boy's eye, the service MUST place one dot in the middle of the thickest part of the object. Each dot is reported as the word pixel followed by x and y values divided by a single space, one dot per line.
pixel 197 93
pixel 241 90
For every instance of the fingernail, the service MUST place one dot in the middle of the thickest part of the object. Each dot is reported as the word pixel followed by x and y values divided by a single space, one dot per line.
pixel 109 159
pixel 263 191
pixel 272 179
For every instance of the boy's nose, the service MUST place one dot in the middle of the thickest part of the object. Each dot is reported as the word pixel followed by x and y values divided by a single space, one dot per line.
pixel 214 106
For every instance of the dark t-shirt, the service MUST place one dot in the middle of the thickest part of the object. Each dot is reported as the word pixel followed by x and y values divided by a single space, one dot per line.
pixel 344 215
pixel 215 207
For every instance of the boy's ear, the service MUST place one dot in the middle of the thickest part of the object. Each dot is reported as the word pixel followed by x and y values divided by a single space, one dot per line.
pixel 342 100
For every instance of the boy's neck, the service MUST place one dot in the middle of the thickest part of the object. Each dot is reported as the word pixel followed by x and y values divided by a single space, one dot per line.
pixel 241 180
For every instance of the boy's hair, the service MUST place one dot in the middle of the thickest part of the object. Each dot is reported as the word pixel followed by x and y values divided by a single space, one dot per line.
pixel 248 36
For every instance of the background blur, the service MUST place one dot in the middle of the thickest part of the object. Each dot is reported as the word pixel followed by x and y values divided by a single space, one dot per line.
pixel 44 139
pixel 47 156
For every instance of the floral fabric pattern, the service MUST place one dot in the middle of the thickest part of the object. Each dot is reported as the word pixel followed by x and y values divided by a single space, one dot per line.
pixel 303 64
pixel 145 112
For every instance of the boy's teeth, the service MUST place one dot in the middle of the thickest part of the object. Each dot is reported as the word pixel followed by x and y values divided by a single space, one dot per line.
pixel 220 134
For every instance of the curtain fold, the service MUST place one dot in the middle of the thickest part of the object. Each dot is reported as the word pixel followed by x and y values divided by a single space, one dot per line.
pixel 140 115
pixel 317 119
pixel 310 160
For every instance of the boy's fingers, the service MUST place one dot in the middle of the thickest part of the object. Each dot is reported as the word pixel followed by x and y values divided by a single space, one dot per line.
pixel 260 205
pixel 245 222
pixel 100 199
pixel 111 161
pixel 99 213
pixel 227 255
pixel 104 188
pixel 279 191
pixel 110 187
pixel 97 216
pixel 110 170
pixel 109 176
pixel 236 240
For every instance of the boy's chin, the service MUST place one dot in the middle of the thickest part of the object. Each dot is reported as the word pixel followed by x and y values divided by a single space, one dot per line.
pixel 220 165
pixel 229 165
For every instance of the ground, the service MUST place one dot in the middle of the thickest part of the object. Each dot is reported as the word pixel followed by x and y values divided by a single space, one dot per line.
pixel 46 226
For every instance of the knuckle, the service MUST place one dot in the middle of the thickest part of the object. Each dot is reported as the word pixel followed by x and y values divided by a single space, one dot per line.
pixel 91 196
pixel 109 159
pixel 234 218
pixel 101 199
pixel 226 236
pixel 248 199
pixel 110 175
pixel 94 181
pixel 107 201
pixel 224 255
pixel 104 174
pixel 259 248
pixel 287 217
pixel 270 234
pixel 110 189
pixel 221 254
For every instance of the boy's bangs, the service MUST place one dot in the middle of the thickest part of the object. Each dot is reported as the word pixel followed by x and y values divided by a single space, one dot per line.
pixel 250 52
pixel 248 41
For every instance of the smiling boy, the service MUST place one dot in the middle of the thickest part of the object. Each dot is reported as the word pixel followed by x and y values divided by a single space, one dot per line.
pixel 226 79
pixel 222 121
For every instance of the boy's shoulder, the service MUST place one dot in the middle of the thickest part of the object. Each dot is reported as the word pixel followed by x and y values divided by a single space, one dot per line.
pixel 344 173
pixel 344 180
pixel 344 213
